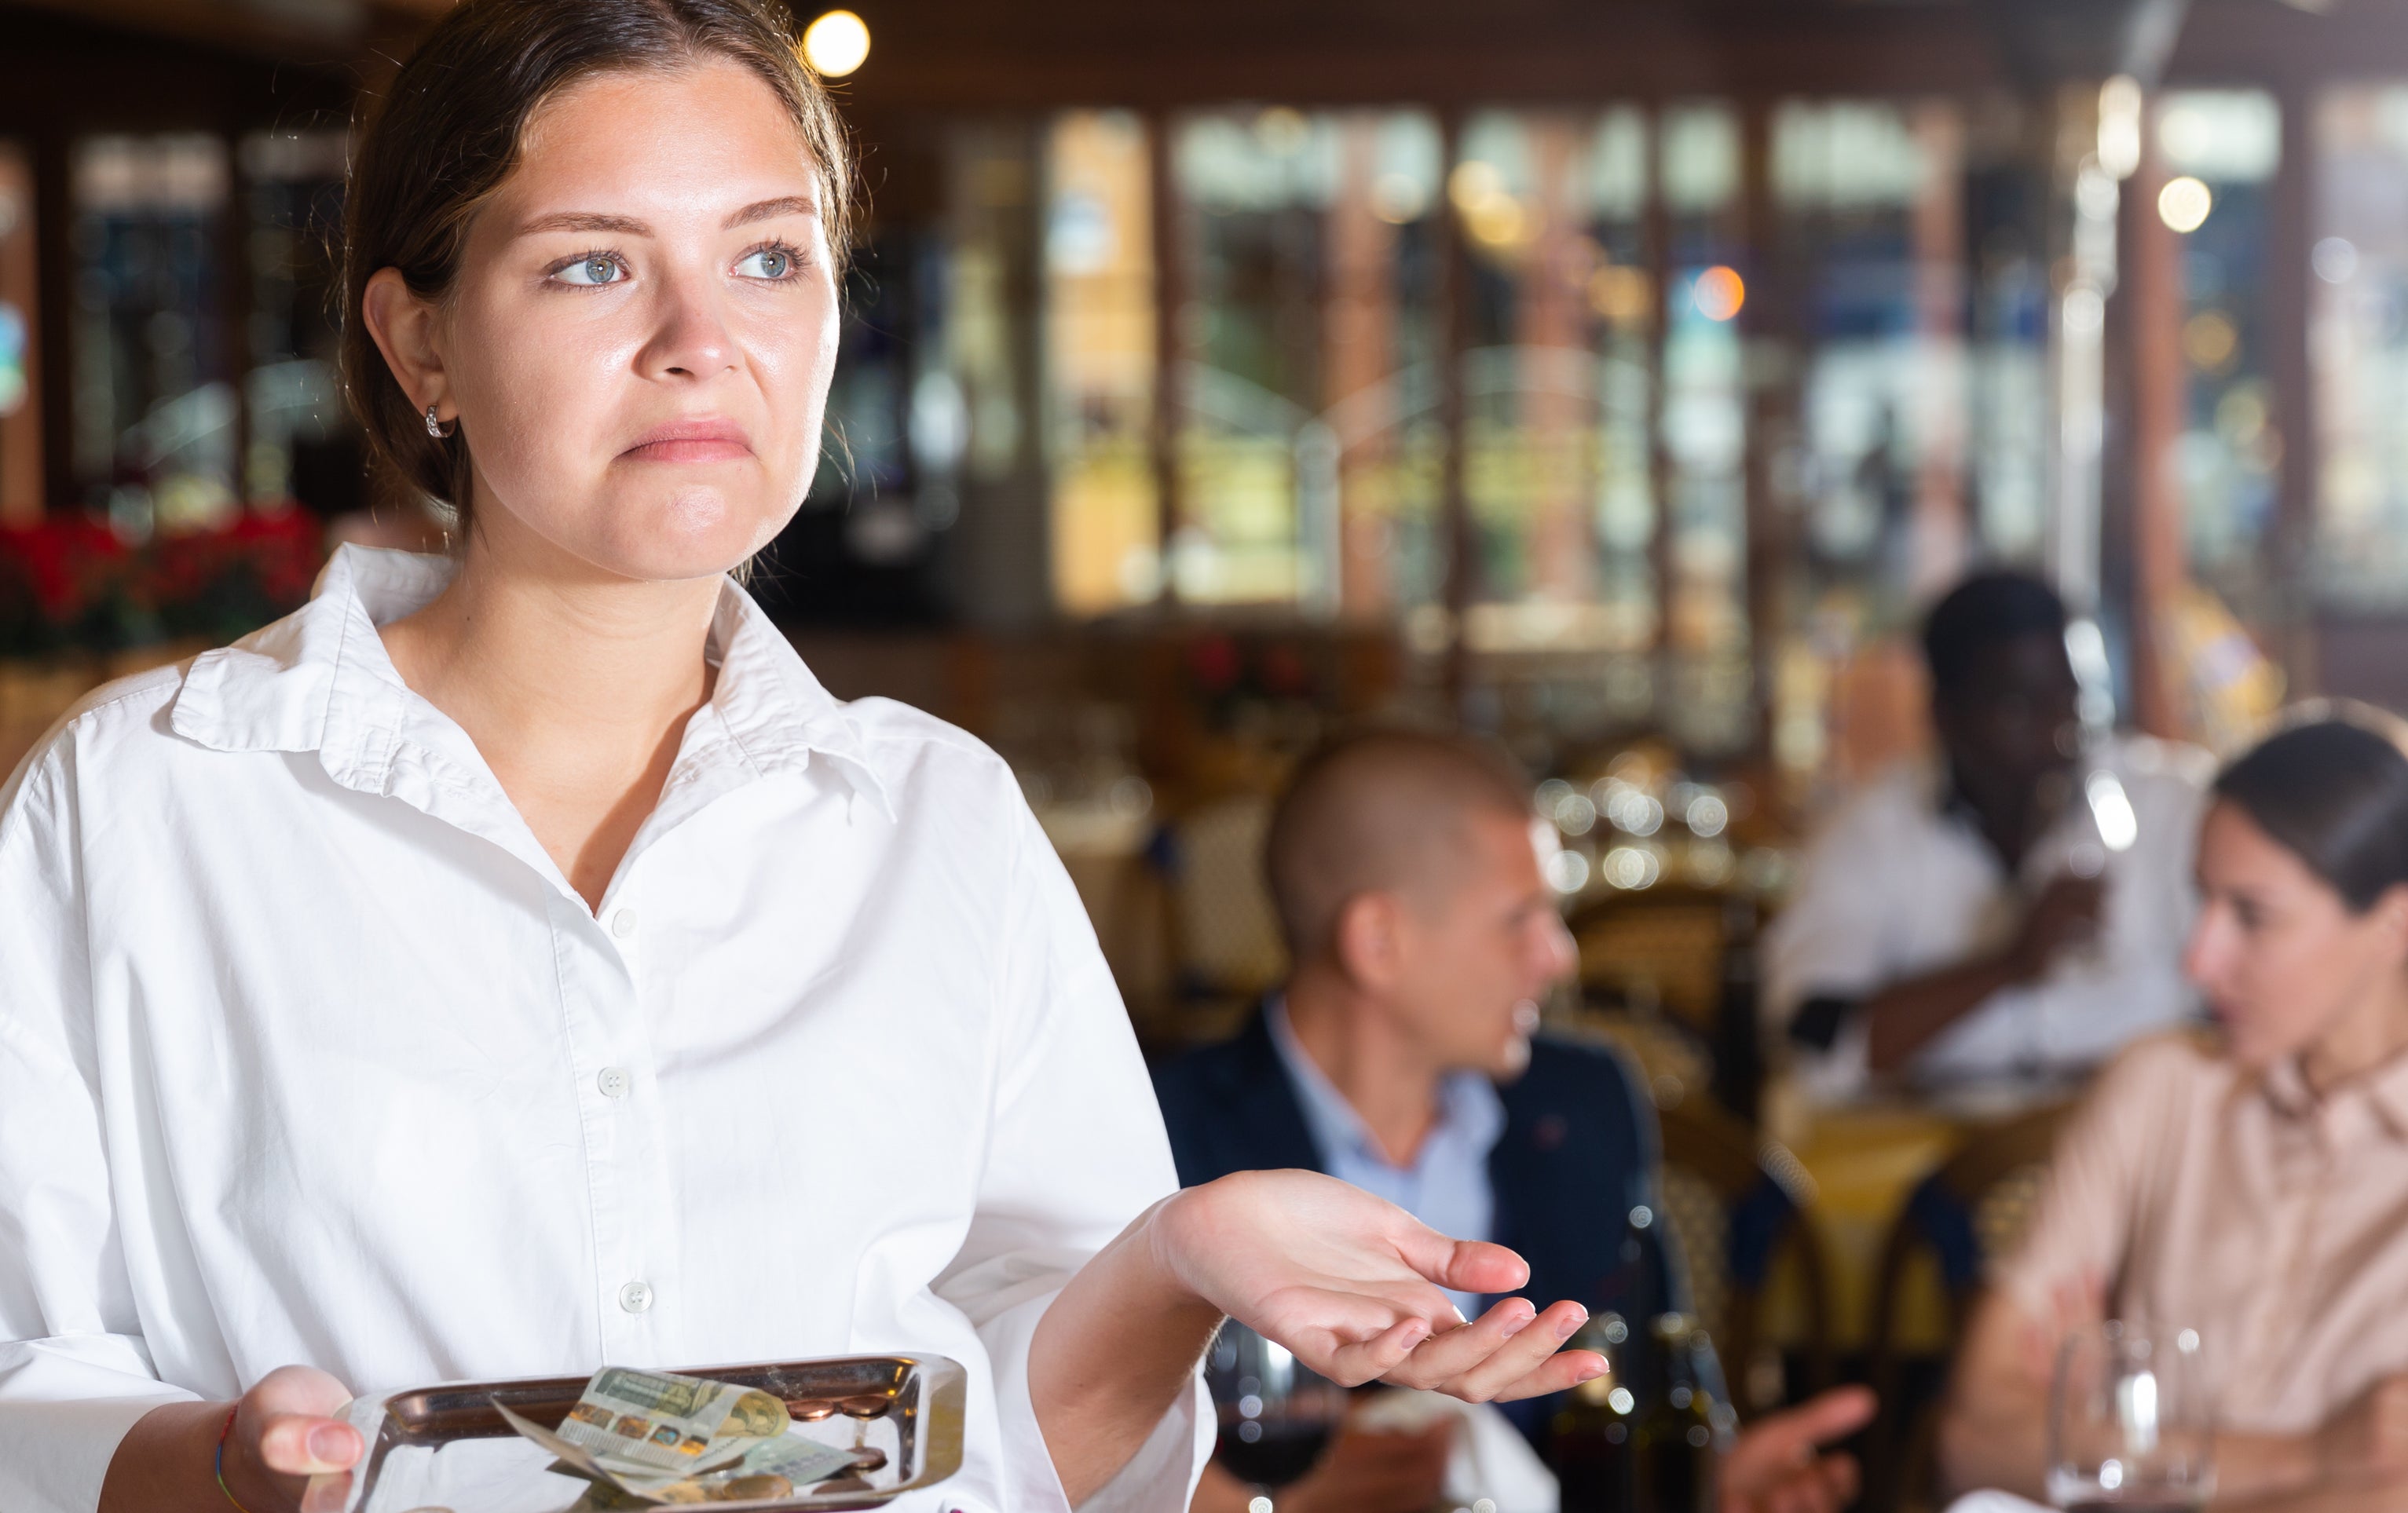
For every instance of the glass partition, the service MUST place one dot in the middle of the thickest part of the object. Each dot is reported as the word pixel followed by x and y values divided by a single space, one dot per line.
pixel 1308 442
pixel 156 414
pixel 20 416
pixel 1099 347
pixel 2229 143
pixel 2359 345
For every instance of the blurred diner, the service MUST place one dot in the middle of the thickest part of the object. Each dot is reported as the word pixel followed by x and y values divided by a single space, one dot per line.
pixel 2248 1183
pixel 1403 1054
pixel 2009 913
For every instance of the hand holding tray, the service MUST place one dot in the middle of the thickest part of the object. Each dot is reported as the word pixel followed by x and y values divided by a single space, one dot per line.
pixel 449 1450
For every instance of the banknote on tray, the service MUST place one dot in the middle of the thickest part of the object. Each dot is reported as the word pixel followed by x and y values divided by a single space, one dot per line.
pixel 652 1437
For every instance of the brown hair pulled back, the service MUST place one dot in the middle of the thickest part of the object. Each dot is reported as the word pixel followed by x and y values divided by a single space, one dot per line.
pixel 2331 788
pixel 449 132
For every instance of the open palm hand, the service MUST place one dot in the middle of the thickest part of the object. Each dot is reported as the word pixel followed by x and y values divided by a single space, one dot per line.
pixel 1352 1284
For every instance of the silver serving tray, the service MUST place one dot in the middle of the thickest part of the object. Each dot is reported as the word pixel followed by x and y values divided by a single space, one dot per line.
pixel 409 1433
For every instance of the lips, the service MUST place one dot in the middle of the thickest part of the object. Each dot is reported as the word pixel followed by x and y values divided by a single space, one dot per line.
pixel 690 441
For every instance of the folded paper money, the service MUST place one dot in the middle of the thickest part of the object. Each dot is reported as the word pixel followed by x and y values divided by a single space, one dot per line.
pixel 652 1437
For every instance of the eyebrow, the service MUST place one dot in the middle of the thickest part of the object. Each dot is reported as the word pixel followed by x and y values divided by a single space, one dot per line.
pixel 628 226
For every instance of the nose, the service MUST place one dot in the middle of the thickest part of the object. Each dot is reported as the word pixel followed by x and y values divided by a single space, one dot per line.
pixel 2205 952
pixel 1559 953
pixel 690 339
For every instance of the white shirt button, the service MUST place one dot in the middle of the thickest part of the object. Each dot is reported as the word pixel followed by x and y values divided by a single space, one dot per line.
pixel 636 1297
pixel 622 923
pixel 614 1081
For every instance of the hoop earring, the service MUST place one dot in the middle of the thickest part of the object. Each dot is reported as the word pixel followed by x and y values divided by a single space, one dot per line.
pixel 434 427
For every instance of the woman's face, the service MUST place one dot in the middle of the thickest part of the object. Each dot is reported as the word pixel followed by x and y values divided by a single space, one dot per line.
pixel 645 323
pixel 2280 956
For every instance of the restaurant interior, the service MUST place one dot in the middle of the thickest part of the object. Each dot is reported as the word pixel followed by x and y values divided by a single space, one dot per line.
pixel 1619 380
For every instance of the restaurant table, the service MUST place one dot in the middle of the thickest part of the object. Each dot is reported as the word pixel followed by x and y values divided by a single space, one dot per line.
pixel 1865 1159
pixel 1865 1162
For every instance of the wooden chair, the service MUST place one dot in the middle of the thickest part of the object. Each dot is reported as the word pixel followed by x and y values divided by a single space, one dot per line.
pixel 1219 931
pixel 1683 955
pixel 1975 1208
pixel 1735 1202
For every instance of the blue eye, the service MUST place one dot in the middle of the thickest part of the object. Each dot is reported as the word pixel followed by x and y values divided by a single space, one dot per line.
pixel 772 262
pixel 598 269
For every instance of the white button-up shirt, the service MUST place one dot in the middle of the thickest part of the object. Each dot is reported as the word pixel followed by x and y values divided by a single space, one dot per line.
pixel 310 1054
pixel 1899 884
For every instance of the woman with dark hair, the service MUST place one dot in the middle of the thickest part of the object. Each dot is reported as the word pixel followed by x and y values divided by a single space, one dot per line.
pixel 2253 1186
pixel 515 961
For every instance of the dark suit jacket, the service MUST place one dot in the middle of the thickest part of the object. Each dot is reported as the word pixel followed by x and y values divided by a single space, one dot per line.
pixel 1579 1153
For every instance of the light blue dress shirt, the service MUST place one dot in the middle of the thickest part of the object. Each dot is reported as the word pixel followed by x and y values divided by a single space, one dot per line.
pixel 1447 1185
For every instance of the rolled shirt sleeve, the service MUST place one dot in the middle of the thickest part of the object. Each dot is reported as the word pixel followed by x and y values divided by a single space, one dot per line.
pixel 1077 1152
pixel 75 1374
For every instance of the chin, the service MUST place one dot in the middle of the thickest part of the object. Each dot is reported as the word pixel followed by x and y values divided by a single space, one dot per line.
pixel 2253 1050
pixel 687 537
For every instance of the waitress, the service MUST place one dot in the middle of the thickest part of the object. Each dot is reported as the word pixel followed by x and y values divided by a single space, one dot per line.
pixel 515 962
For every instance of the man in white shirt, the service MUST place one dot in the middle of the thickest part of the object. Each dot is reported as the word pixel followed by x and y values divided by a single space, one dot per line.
pixel 1970 923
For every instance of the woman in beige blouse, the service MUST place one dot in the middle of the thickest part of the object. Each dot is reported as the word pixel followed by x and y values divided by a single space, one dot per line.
pixel 2252 1184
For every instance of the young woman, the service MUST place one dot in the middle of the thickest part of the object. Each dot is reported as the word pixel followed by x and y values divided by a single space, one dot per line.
pixel 2254 1186
pixel 516 962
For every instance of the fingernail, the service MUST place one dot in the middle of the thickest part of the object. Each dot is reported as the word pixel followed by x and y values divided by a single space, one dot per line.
pixel 330 1444
pixel 1518 1322
pixel 1593 1373
pixel 1570 1324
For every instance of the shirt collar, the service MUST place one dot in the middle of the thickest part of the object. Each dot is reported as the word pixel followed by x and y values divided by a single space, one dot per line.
pixel 319 681
pixel 1468 1109
pixel 2383 1091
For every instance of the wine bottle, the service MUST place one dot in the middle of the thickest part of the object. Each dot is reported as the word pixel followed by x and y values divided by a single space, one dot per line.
pixel 1589 1440
pixel 1676 1442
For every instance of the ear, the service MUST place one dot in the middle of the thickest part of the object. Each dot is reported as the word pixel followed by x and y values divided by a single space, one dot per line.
pixel 2390 915
pixel 1370 940
pixel 404 328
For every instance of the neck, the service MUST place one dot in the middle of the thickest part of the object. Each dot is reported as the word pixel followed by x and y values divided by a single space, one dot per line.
pixel 2009 817
pixel 575 684
pixel 2361 1039
pixel 547 655
pixel 1385 1073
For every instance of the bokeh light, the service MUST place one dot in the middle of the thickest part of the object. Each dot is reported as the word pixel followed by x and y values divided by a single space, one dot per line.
pixel 1622 293
pixel 1633 868
pixel 836 44
pixel 1568 872
pixel 2182 204
pixel 2335 260
pixel 1719 293
pixel 2211 341
pixel 1493 216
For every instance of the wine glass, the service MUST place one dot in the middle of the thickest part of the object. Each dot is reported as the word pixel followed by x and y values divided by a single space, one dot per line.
pixel 1276 1413
pixel 2129 1422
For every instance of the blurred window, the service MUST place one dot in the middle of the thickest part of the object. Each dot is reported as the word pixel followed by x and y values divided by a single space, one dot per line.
pixel 2229 456
pixel 155 413
pixel 2009 412
pixel 1558 374
pixel 1871 464
pixel 1099 351
pixel 1309 447
pixel 2358 346
pixel 21 418
pixel 1704 428
pixel 301 441
pixel 984 325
